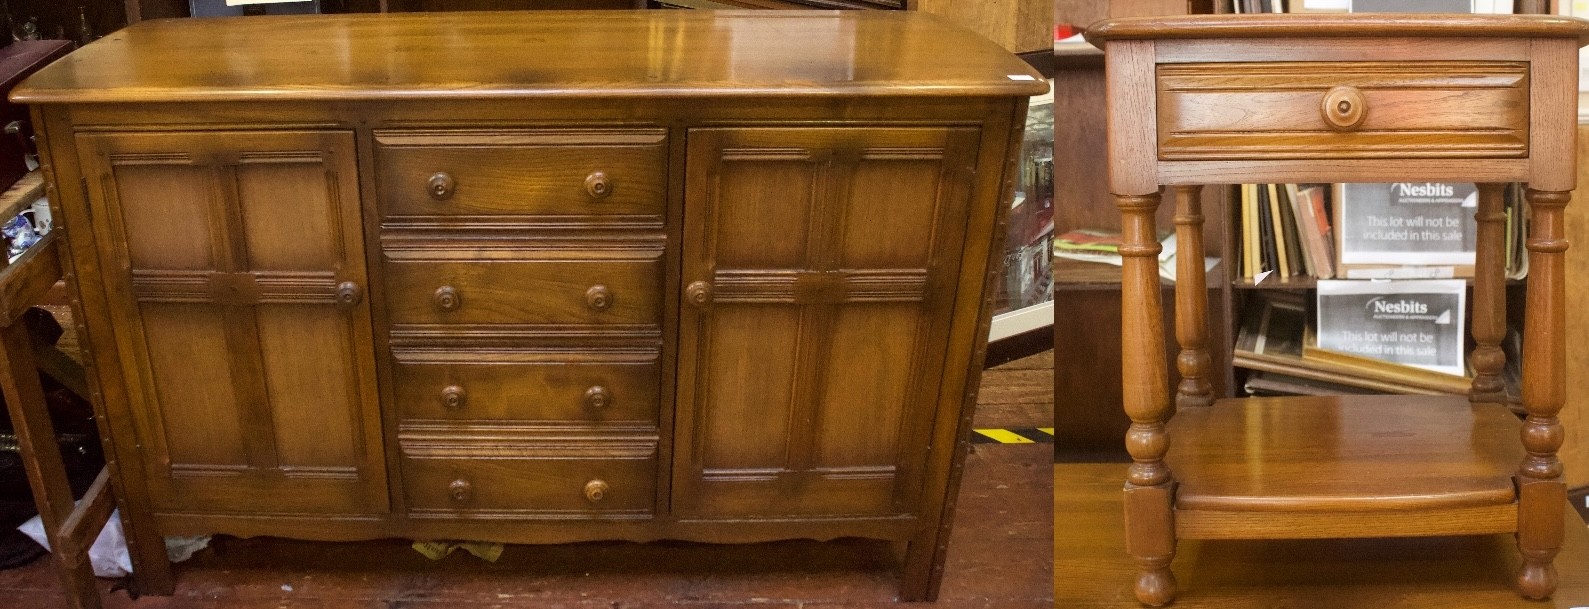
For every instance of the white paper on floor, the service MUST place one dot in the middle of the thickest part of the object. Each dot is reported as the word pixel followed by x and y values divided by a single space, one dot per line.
pixel 108 554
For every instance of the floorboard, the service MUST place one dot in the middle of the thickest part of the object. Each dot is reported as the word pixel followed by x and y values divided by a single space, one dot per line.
pixel 1018 393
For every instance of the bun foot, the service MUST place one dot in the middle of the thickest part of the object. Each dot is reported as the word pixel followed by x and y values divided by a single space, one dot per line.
pixel 1536 581
pixel 1156 587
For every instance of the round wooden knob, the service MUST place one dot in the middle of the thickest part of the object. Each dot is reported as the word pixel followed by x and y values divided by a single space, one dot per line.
pixel 460 490
pixel 699 294
pixel 453 397
pixel 595 490
pixel 598 298
pixel 441 186
pixel 598 397
pixel 349 294
pixel 1344 108
pixel 447 298
pixel 597 185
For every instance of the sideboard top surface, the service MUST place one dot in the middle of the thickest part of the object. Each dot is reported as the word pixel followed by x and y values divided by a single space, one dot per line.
pixel 432 56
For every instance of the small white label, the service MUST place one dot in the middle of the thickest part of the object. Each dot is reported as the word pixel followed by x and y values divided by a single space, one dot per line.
pixel 1021 77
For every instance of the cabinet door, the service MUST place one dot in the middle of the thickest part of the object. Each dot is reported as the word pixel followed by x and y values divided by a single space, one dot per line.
pixel 237 277
pixel 819 274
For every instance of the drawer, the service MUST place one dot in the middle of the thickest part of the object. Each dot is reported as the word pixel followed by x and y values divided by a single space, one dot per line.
pixel 553 478
pixel 1343 110
pixel 541 391
pixel 578 174
pixel 625 291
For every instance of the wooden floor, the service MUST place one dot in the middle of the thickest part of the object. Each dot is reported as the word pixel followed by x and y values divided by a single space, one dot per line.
pixel 1018 394
pixel 1092 570
pixel 999 554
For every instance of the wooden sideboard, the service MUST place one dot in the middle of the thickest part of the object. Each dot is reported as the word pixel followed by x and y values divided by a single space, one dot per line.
pixel 535 278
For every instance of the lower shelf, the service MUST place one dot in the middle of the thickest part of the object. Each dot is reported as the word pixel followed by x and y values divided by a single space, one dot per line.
pixel 1345 463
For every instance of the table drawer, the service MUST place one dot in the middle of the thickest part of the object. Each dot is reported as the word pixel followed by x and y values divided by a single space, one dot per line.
pixel 626 291
pixel 1343 110
pixel 607 392
pixel 553 478
pixel 578 174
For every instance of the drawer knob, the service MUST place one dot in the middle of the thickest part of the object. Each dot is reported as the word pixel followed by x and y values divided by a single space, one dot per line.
pixel 454 397
pixel 441 186
pixel 597 185
pixel 595 490
pixel 597 397
pixel 598 298
pixel 1344 108
pixel 349 294
pixel 699 294
pixel 460 490
pixel 447 298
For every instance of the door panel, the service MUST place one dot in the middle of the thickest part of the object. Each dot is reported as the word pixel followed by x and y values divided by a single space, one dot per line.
pixel 152 195
pixel 770 196
pixel 313 412
pixel 866 382
pixel 745 399
pixel 240 320
pixel 880 235
pixel 810 258
pixel 196 401
pixel 288 227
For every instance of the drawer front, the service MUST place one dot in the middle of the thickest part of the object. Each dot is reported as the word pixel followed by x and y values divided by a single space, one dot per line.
pixel 615 392
pixel 578 175
pixel 572 479
pixel 1343 110
pixel 625 291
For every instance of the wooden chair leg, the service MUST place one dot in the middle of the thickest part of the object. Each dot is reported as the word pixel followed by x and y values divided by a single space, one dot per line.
pixel 1489 297
pixel 1150 530
pixel 1541 494
pixel 42 459
pixel 1191 301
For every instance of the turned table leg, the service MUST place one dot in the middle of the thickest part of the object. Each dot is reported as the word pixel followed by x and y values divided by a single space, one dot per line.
pixel 1191 301
pixel 1542 496
pixel 1149 490
pixel 1489 297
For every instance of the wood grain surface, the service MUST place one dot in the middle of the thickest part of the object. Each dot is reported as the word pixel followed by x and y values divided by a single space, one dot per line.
pixel 1272 110
pixel 1344 453
pixel 534 54
pixel 1467 572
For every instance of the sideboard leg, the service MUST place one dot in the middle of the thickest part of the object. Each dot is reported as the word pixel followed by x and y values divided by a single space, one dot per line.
pixel 1542 496
pixel 923 569
pixel 151 576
